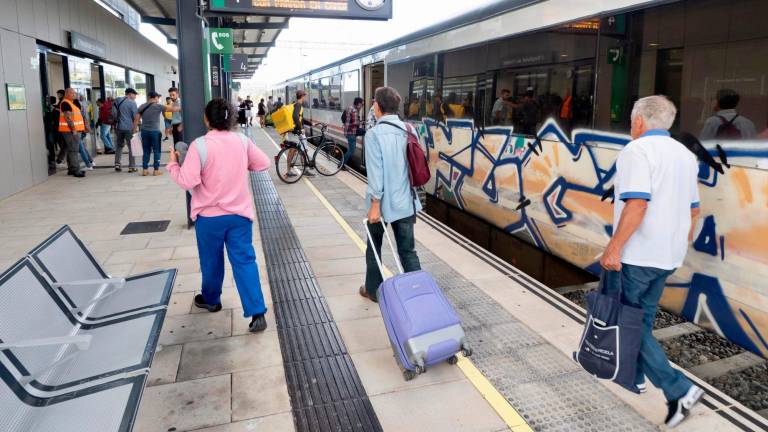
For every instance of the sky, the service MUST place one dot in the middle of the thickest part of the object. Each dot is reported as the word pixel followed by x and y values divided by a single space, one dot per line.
pixel 313 42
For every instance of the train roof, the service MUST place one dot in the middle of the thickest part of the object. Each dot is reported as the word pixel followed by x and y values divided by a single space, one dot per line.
pixel 477 15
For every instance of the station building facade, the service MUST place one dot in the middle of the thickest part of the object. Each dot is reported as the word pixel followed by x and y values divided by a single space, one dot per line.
pixel 47 45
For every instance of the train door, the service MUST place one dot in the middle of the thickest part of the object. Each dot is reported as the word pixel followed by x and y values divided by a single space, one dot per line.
pixel 373 78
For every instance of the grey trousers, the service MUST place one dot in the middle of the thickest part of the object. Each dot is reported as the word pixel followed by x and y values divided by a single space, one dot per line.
pixel 124 139
pixel 72 142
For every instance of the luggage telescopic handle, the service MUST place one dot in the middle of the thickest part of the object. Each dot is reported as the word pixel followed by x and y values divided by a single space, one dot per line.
pixel 391 246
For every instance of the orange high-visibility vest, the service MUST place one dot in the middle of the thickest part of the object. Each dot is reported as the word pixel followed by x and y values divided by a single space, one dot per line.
pixel 77 118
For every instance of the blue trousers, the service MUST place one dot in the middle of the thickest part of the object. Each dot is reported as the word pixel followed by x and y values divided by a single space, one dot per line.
pixel 351 144
pixel 642 287
pixel 150 143
pixel 237 233
pixel 106 138
pixel 84 155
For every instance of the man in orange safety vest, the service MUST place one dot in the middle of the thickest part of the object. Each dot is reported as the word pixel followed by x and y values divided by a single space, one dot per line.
pixel 71 125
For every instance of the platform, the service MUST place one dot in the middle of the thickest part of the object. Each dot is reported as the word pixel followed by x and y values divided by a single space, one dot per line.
pixel 325 362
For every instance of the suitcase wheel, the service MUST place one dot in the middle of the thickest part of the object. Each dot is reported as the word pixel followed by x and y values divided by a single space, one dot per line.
pixel 466 350
pixel 409 374
pixel 453 360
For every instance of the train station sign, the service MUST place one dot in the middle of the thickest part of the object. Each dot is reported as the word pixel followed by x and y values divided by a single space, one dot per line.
pixel 345 9
pixel 236 63
pixel 221 41
pixel 81 42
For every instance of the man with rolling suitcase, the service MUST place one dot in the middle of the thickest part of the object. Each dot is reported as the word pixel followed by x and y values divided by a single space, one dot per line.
pixel 389 196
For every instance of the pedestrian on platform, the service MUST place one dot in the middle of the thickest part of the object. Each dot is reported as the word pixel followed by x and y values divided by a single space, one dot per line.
pixel 222 206
pixel 151 114
pixel 352 125
pixel 124 111
pixel 371 120
pixel 51 127
pixel 176 124
pixel 105 124
pixel 658 201
pixel 71 125
pixel 390 196
pixel 168 118
pixel 85 108
pixel 270 105
pixel 262 113
pixel 59 137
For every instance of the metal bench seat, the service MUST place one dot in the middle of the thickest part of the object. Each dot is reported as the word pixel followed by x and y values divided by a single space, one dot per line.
pixel 107 407
pixel 47 349
pixel 88 290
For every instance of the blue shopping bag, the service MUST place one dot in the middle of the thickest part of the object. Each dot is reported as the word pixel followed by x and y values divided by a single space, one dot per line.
pixel 610 344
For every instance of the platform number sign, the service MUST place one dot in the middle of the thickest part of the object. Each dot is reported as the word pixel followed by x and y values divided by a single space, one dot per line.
pixel 220 41
pixel 616 55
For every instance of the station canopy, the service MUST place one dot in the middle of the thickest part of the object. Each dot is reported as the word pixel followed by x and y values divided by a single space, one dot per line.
pixel 254 35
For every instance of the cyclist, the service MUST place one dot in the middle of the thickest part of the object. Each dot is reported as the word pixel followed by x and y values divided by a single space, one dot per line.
pixel 299 121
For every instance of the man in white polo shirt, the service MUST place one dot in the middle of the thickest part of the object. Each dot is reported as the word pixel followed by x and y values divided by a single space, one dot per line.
pixel 658 200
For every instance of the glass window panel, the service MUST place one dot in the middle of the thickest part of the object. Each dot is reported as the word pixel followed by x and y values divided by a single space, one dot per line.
pixel 716 71
pixel 351 89
pixel 334 94
pixel 314 93
pixel 139 83
pixel 325 94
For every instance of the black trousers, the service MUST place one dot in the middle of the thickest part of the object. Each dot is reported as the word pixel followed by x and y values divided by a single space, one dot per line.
pixel 177 134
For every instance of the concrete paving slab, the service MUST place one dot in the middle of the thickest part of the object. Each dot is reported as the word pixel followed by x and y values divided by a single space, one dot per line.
pixel 454 406
pixel 333 252
pixel 352 307
pixel 230 299
pixel 325 240
pixel 186 405
pixel 183 266
pixel 180 303
pixel 165 365
pixel 274 423
pixel 341 285
pixel 140 256
pixel 231 354
pixel 259 393
pixel 189 328
pixel 381 374
pixel 338 267
pixel 364 334
pixel 183 252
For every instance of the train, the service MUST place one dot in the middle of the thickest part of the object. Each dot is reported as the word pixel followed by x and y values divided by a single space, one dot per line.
pixel 522 107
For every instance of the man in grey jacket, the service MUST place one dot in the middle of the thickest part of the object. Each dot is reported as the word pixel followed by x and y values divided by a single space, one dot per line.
pixel 124 111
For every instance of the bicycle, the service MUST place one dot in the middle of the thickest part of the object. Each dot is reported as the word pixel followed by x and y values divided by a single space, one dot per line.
pixel 293 160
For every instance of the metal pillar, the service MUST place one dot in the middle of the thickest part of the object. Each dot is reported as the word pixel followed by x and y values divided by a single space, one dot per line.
pixel 191 73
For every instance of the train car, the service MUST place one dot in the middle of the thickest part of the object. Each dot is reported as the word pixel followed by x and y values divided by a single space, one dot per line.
pixel 523 106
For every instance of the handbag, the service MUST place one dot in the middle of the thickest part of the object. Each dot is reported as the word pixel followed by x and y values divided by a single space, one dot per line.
pixel 610 344
pixel 137 149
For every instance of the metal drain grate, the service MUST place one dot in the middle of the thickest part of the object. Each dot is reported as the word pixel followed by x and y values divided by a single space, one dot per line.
pixel 325 389
pixel 145 227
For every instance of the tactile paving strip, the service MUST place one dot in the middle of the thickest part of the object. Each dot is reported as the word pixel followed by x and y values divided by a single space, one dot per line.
pixel 325 390
pixel 548 389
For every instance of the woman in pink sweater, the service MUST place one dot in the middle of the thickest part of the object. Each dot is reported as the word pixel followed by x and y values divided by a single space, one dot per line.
pixel 215 171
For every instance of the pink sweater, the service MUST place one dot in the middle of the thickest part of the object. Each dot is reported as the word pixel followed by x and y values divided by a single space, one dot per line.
pixel 222 186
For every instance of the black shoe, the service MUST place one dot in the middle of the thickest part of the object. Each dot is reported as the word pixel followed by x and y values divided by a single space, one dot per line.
pixel 118 168
pixel 309 173
pixel 107 152
pixel 679 409
pixel 200 302
pixel 78 174
pixel 258 324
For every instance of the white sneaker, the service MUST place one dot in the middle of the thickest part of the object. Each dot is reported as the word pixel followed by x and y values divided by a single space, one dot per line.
pixel 642 387
pixel 90 168
pixel 679 409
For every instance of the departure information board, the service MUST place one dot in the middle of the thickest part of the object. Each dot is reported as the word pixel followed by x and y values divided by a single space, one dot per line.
pixel 350 9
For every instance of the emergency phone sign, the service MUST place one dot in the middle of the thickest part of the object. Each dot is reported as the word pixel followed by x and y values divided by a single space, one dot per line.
pixel 221 41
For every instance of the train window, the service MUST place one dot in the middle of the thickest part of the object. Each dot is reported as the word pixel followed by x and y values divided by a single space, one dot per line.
pixel 314 93
pixel 334 93
pixel 325 92
pixel 710 58
pixel 460 96
pixel 351 88
pixel 544 76
pixel 398 77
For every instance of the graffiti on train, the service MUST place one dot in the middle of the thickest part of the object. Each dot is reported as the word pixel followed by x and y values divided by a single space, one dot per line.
pixel 554 193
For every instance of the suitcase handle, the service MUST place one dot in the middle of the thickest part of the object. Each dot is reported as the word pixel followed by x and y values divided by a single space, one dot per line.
pixel 391 246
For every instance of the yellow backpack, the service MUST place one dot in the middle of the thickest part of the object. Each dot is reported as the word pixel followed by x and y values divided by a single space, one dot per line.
pixel 283 119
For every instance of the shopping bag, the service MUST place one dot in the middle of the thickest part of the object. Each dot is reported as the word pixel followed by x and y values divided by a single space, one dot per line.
pixel 136 147
pixel 610 344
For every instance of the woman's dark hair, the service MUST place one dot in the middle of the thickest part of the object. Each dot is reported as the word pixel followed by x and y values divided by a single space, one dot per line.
pixel 221 114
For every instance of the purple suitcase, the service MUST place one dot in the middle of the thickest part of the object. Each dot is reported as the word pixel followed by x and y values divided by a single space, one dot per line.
pixel 423 328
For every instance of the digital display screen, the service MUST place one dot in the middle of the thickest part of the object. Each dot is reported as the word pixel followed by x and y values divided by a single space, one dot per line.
pixel 351 9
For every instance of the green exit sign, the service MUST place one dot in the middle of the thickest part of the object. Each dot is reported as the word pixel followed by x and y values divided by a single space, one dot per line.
pixel 221 41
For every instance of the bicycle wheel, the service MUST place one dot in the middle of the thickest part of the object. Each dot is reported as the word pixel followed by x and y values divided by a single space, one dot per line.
pixel 328 158
pixel 290 172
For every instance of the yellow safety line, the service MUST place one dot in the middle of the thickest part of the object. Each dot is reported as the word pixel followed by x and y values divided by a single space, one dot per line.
pixel 499 403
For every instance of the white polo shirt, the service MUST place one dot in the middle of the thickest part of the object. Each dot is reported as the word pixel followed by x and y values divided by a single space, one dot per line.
pixel 661 170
